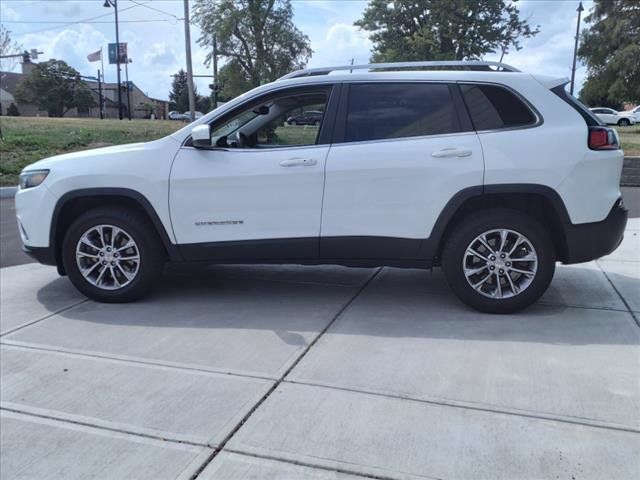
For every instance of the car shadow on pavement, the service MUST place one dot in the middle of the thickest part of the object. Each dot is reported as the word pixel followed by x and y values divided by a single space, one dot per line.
pixel 398 303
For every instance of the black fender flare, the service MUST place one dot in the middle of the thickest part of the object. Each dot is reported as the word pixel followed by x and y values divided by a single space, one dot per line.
pixel 141 200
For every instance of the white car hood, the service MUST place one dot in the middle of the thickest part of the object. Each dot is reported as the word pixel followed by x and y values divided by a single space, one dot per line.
pixel 96 153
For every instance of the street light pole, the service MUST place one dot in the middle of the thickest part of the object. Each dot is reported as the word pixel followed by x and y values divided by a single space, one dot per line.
pixel 114 4
pixel 575 48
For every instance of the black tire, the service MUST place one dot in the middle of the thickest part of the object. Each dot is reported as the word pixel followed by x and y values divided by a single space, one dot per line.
pixel 623 122
pixel 316 123
pixel 470 228
pixel 150 250
pixel 293 123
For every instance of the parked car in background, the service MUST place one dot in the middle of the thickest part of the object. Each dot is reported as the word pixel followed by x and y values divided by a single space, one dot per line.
pixel 612 117
pixel 187 115
pixel 493 174
pixel 310 117
pixel 173 115
pixel 636 113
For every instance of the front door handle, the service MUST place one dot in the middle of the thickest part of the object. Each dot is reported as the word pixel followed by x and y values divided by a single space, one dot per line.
pixel 452 152
pixel 298 162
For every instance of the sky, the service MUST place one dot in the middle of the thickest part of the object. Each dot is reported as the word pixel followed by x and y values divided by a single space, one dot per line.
pixel 71 29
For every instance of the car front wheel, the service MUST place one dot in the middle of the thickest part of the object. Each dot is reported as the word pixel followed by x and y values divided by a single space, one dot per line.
pixel 499 261
pixel 112 255
pixel 623 122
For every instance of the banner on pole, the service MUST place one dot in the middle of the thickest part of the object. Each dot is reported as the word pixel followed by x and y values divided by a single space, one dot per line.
pixel 112 53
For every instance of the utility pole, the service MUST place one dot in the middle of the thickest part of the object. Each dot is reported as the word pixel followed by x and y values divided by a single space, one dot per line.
pixel 215 71
pixel 126 70
pixel 187 44
pixel 575 48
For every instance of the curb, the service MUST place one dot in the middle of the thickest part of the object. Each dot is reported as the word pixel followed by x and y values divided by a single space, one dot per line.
pixel 8 192
pixel 630 172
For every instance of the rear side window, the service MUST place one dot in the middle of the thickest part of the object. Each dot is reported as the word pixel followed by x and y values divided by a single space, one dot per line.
pixel 492 107
pixel 589 118
pixel 379 111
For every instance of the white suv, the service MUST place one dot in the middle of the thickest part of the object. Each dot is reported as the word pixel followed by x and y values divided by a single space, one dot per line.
pixel 490 173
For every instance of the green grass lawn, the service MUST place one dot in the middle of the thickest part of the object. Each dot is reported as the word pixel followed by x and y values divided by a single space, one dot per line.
pixel 29 139
pixel 630 139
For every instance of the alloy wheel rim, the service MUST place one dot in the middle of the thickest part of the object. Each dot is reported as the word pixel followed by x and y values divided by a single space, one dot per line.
pixel 500 263
pixel 108 257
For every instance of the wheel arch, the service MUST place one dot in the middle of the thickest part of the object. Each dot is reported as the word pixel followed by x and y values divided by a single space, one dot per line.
pixel 76 201
pixel 539 201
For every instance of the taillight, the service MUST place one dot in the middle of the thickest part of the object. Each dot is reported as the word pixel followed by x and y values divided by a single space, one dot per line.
pixel 603 138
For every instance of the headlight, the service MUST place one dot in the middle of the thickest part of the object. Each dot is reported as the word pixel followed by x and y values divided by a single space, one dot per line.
pixel 32 178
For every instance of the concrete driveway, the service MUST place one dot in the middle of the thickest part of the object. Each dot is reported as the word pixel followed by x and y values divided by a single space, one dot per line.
pixel 268 372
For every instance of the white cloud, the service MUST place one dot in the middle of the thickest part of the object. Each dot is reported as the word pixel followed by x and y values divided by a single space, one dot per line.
pixel 71 45
pixel 8 13
pixel 343 36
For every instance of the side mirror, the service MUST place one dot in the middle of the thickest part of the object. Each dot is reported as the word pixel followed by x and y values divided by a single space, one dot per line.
pixel 201 136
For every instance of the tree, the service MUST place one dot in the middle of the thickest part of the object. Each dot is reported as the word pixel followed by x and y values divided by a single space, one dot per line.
pixel 203 104
pixel 403 30
pixel 8 47
pixel 232 80
pixel 258 36
pixel 55 87
pixel 179 95
pixel 12 110
pixel 610 48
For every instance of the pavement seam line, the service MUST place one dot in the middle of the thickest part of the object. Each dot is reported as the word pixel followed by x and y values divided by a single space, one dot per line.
pixel 469 406
pixel 301 463
pixel 277 383
pixel 28 324
pixel 626 304
pixel 583 307
pixel 128 359
pixel 101 427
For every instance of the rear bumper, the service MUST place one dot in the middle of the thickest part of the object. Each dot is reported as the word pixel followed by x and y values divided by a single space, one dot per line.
pixel 589 241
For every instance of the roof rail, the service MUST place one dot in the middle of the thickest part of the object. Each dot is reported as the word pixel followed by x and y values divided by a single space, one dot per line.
pixel 467 65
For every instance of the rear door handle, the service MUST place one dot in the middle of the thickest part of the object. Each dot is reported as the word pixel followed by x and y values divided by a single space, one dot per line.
pixel 452 152
pixel 298 162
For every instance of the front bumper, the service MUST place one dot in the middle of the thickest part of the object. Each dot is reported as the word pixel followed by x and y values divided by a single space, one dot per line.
pixel 589 241
pixel 44 255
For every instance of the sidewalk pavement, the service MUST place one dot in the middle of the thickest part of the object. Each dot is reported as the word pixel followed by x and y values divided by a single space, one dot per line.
pixel 287 372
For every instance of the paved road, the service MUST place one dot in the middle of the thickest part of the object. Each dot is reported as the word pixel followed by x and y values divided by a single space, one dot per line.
pixel 10 245
pixel 11 253
pixel 321 373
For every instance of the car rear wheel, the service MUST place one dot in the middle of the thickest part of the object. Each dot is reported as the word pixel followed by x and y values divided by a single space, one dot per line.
pixel 112 255
pixel 499 261
pixel 624 122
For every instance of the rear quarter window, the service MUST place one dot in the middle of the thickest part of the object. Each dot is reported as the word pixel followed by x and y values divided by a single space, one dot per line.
pixel 588 115
pixel 492 107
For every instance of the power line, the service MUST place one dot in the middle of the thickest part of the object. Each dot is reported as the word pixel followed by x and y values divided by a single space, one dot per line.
pixel 86 20
pixel 98 21
pixel 156 9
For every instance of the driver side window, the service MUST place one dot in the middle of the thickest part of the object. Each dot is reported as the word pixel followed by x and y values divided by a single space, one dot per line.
pixel 289 120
